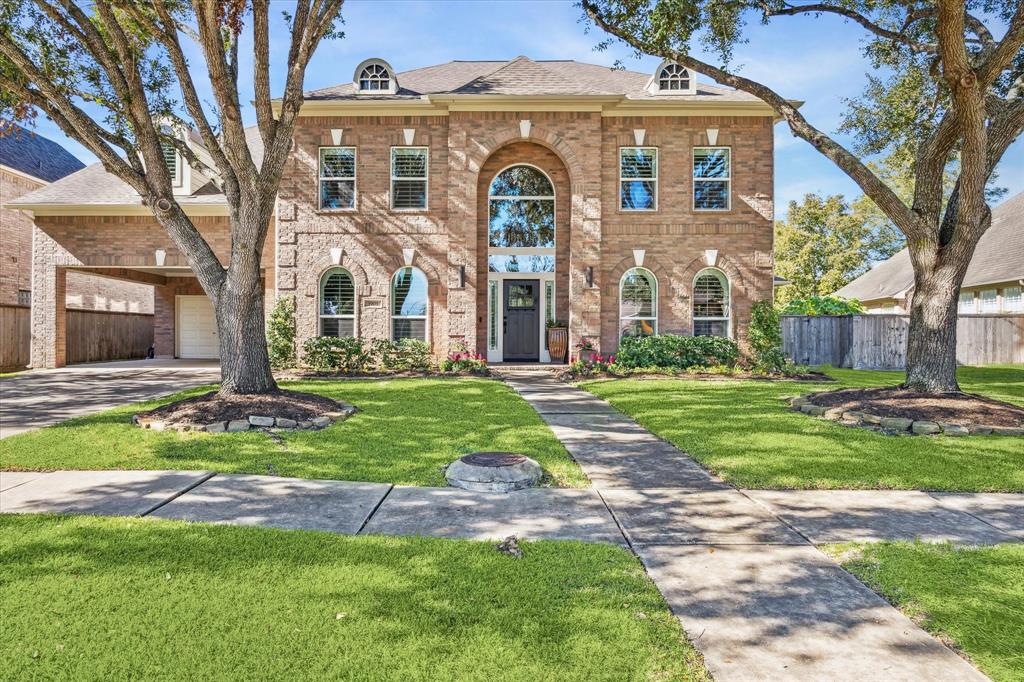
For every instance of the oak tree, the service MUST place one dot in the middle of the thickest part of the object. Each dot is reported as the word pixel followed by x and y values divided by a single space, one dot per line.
pixel 952 93
pixel 115 75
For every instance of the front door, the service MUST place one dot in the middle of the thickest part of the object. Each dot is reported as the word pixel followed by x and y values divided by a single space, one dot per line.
pixel 521 337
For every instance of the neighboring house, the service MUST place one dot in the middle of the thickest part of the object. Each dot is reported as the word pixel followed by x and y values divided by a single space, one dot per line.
pixel 29 161
pixel 993 284
pixel 469 202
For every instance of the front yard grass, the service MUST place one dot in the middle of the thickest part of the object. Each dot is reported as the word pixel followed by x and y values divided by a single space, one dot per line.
pixel 88 598
pixel 745 433
pixel 972 597
pixel 405 431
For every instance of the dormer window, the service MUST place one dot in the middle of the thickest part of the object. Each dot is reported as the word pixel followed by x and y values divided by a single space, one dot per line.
pixel 375 77
pixel 672 79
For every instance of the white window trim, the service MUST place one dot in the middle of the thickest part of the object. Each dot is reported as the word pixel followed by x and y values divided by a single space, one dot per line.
pixel 525 250
pixel 497 352
pixel 695 180
pixel 654 302
pixel 728 302
pixel 657 173
pixel 425 179
pixel 994 299
pixel 320 300
pixel 391 306
pixel 973 303
pixel 321 178
pixel 392 79
pixel 654 84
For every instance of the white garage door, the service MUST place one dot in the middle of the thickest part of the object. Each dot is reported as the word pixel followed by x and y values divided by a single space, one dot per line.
pixel 197 328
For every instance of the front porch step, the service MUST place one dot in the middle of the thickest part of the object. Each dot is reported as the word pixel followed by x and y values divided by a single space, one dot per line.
pixel 499 367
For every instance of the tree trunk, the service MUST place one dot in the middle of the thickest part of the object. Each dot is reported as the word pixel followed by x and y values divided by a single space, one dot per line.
pixel 931 342
pixel 244 361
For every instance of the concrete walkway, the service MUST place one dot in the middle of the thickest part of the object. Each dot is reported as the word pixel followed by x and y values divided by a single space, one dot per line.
pixel 41 397
pixel 754 594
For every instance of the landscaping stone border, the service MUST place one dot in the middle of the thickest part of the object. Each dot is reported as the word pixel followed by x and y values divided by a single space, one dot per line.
pixel 896 425
pixel 253 422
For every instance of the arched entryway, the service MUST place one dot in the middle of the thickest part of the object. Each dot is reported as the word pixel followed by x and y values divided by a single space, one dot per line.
pixel 523 251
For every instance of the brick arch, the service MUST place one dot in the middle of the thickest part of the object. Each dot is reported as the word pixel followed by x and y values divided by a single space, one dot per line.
pixel 661 271
pixel 724 263
pixel 544 137
pixel 359 277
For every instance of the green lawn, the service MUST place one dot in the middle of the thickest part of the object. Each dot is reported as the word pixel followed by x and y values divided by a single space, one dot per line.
pixel 89 598
pixel 743 431
pixel 972 597
pixel 406 430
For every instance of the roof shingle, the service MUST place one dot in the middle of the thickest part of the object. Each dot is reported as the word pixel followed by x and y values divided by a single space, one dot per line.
pixel 29 152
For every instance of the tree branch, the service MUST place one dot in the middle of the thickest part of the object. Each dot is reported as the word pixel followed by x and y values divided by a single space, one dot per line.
pixel 849 13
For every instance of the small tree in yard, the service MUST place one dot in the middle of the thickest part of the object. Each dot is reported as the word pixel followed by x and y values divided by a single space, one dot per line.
pixel 952 99
pixel 109 72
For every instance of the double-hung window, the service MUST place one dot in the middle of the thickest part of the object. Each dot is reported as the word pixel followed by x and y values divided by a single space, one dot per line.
pixel 638 178
pixel 712 177
pixel 337 177
pixel 966 304
pixel 337 304
pixel 409 177
pixel 989 301
pixel 409 302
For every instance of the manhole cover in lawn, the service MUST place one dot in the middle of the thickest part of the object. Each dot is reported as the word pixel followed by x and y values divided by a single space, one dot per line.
pixel 494 472
pixel 493 459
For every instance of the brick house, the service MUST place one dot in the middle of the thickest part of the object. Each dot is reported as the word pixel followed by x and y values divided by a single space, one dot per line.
pixel 29 161
pixel 468 202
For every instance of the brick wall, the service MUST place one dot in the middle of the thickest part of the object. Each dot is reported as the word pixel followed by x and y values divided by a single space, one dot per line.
pixel 16 238
pixel 580 152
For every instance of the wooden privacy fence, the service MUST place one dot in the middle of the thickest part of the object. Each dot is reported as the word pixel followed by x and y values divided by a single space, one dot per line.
pixel 15 336
pixel 98 335
pixel 880 341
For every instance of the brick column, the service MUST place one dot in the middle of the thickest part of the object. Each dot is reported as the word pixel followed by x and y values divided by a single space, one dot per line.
pixel 49 328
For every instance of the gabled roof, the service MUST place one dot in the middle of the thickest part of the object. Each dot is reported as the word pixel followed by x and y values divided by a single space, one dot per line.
pixel 93 186
pixel 999 257
pixel 32 154
pixel 525 77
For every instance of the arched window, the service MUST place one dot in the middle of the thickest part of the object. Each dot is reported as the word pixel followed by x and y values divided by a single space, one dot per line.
pixel 409 304
pixel 521 221
pixel 337 303
pixel 711 303
pixel 374 77
pixel 638 303
pixel 674 77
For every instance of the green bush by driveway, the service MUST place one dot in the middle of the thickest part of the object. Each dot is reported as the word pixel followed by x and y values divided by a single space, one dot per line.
pixel 118 598
pixel 405 431
pixel 744 432
pixel 971 596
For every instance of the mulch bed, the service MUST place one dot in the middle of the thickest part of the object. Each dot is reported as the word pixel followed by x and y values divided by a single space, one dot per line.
pixel 954 408
pixel 212 407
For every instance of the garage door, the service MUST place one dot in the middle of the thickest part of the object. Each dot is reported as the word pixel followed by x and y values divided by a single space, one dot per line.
pixel 197 328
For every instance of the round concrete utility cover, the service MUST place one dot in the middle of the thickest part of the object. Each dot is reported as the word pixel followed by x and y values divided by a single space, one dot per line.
pixel 493 472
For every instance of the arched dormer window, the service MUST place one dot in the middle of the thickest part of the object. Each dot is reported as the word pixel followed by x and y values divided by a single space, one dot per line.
pixel 638 303
pixel 375 77
pixel 337 303
pixel 711 303
pixel 673 79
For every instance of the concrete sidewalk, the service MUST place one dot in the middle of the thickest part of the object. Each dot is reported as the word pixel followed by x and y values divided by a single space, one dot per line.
pixel 758 600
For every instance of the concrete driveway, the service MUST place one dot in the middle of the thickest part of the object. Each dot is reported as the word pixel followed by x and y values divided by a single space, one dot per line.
pixel 39 398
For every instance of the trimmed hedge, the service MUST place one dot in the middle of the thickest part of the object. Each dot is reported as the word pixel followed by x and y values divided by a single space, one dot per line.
pixel 681 352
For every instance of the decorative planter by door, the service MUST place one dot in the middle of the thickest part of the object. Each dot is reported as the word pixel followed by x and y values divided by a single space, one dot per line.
pixel 587 355
pixel 558 343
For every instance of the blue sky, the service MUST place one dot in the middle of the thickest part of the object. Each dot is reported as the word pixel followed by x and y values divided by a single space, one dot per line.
pixel 817 60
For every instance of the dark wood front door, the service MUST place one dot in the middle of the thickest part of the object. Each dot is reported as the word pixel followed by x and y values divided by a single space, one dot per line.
pixel 521 320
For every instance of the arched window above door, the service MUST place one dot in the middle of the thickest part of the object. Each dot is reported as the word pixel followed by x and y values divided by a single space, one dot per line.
pixel 521 221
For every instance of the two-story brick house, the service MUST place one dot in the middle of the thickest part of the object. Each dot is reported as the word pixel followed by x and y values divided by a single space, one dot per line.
pixel 469 202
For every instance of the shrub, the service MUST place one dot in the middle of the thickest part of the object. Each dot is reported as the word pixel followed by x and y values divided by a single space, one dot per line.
pixel 823 305
pixel 765 337
pixel 281 333
pixel 462 359
pixel 405 354
pixel 333 354
pixel 672 351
